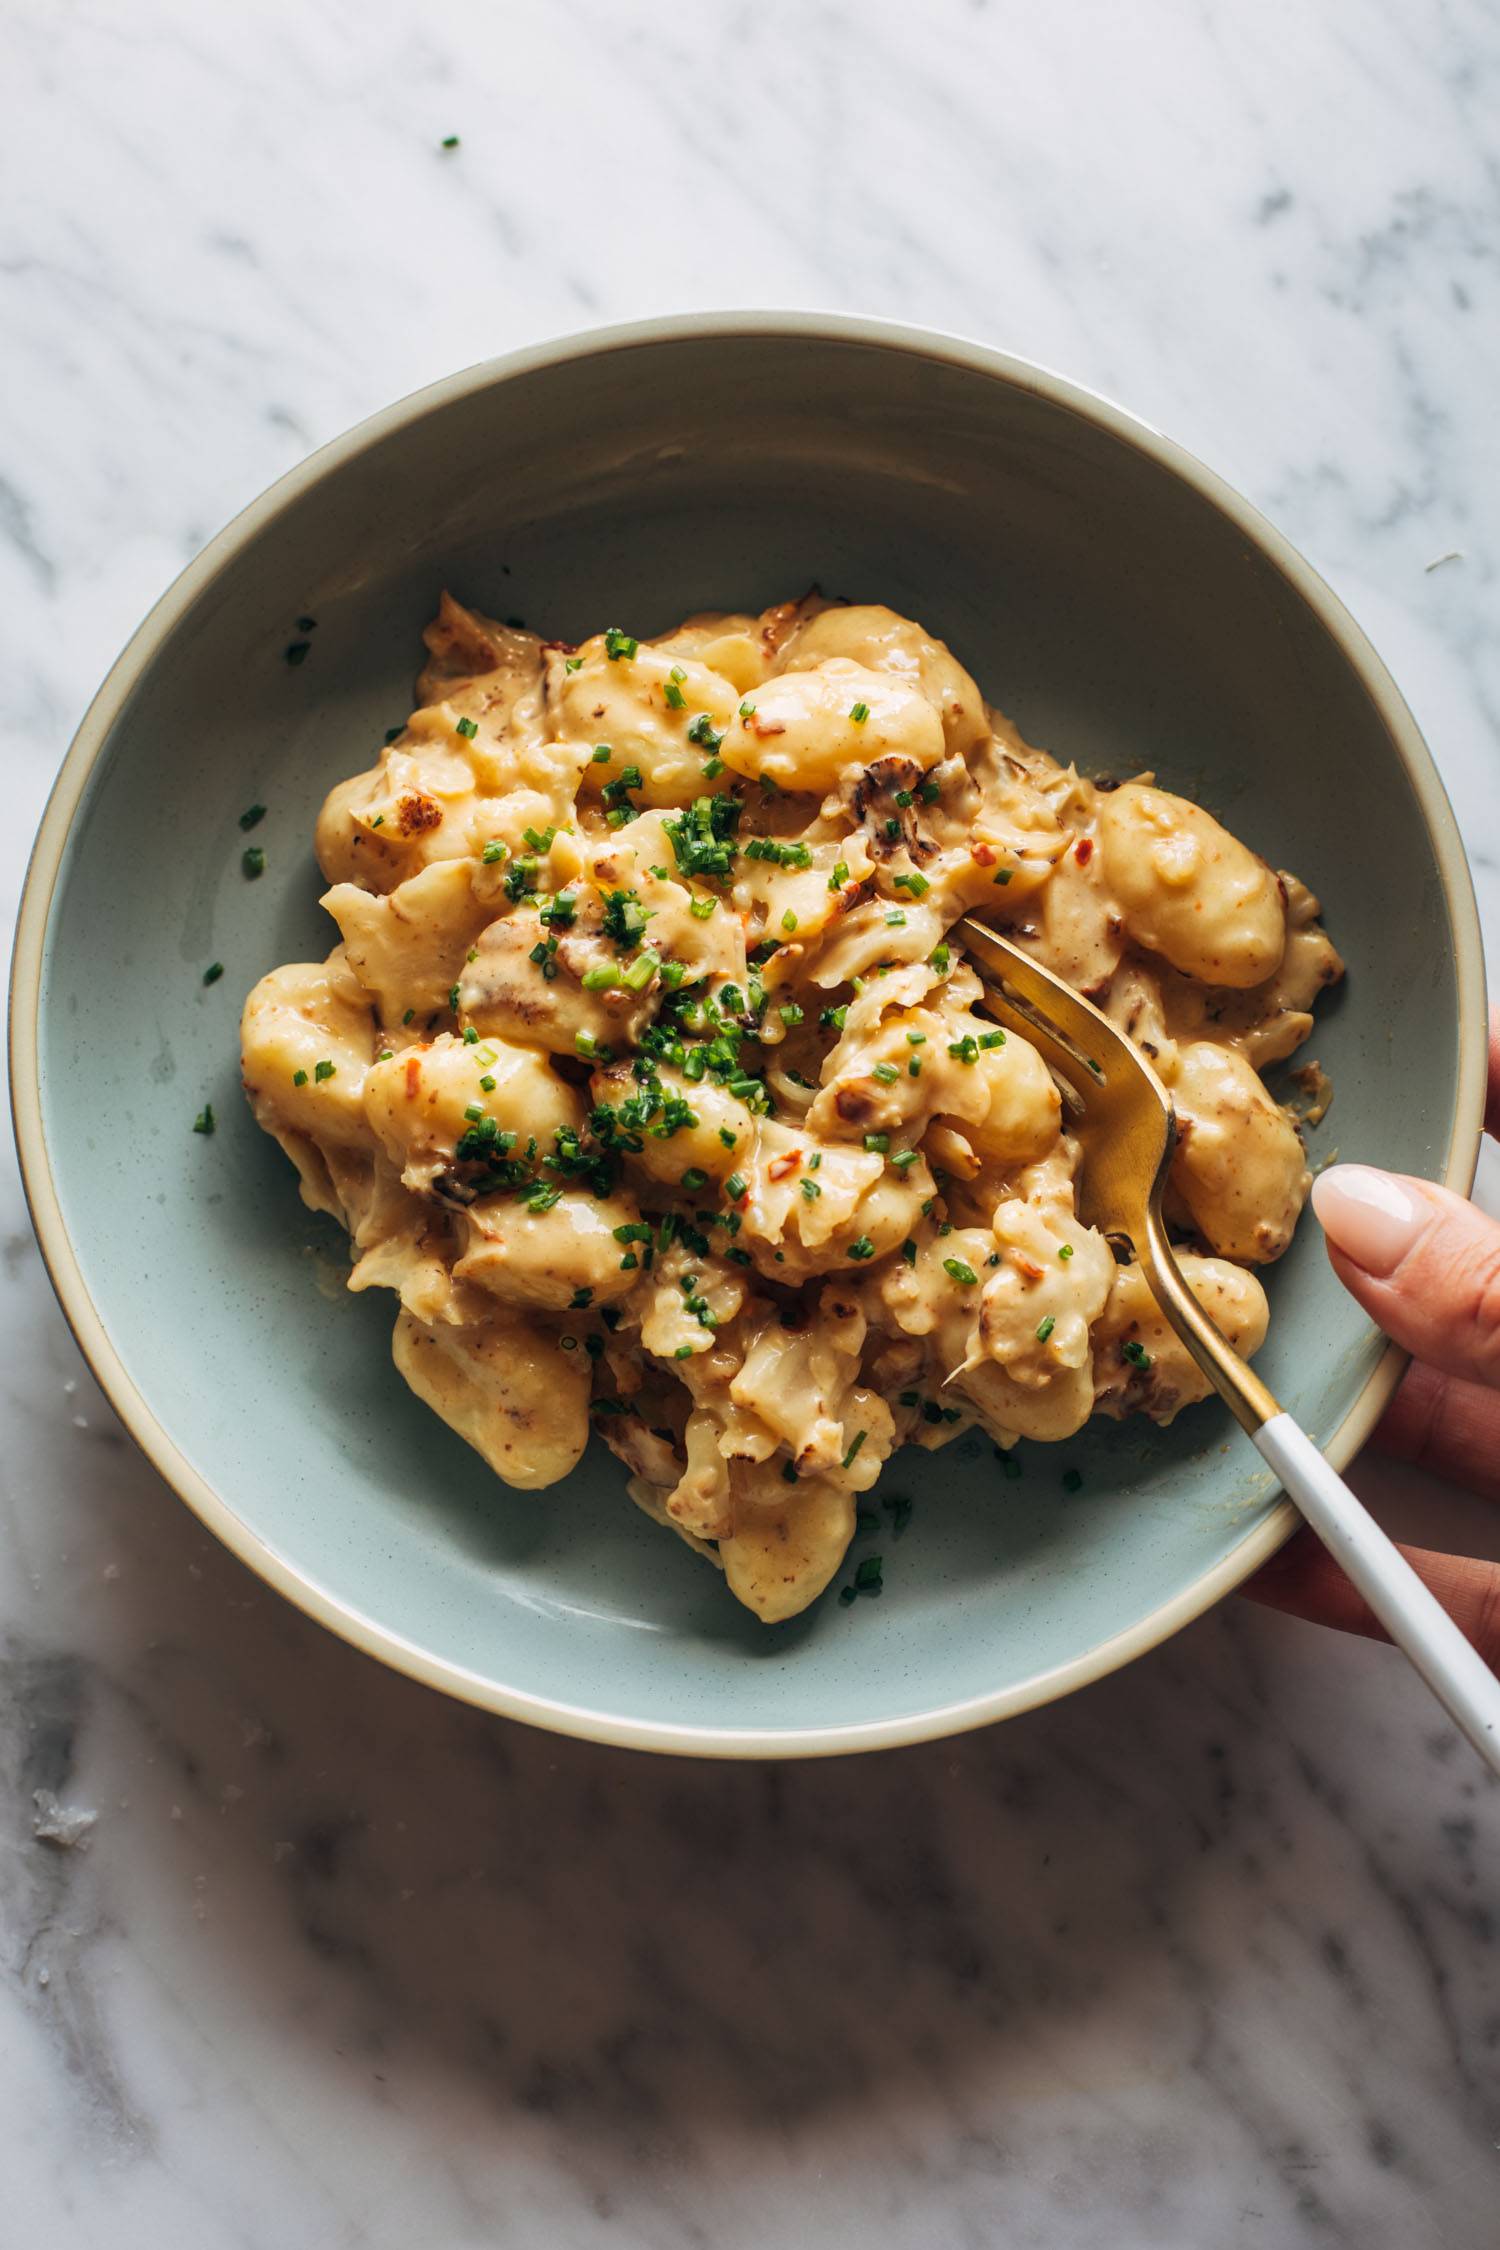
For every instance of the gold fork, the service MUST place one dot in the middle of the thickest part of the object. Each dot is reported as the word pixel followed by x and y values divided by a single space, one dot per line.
pixel 1122 1115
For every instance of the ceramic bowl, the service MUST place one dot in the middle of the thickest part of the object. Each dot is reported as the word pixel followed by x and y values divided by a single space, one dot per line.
pixel 1104 587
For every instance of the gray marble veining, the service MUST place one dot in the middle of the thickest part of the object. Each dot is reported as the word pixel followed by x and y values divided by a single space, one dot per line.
pixel 1206 1955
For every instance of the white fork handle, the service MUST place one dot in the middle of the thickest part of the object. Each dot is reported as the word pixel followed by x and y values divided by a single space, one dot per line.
pixel 1416 1621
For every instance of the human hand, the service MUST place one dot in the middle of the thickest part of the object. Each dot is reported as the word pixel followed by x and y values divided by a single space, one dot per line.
pixel 1426 1265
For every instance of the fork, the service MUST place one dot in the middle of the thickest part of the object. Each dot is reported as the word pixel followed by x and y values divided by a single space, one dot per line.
pixel 1121 1113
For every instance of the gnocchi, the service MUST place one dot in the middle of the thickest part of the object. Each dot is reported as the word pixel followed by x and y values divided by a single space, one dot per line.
pixel 645 1076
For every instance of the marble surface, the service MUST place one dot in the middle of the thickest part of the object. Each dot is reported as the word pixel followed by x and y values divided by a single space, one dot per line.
pixel 294 1952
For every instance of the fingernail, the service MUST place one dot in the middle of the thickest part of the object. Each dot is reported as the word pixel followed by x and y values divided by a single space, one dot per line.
pixel 1373 1218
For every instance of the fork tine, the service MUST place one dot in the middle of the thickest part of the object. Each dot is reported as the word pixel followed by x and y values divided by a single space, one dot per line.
pixel 1038 1006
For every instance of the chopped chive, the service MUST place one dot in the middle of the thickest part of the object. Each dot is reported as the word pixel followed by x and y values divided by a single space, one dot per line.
pixel 296 652
pixel 701 908
pixel 877 1144
pixel 603 752
pixel 675 699
pixel 1136 1353
pixel 1045 1328
pixel 862 1249
pixel 572 663
pixel 642 969
pixel 408 1015
pixel 468 728
pixel 789 1013
pixel 747 710
pixel 957 1269
pixel 471 1036
pixel 487 1084
pixel 909 1251
pixel 988 1039
pixel 789 920
pixel 811 1190
pixel 683 1351
pixel 859 1439
pixel 859 712
pixel 1066 1252
pixel 867 1577
pixel 940 957
pixel 204 1121
pixel 600 976
pixel 734 1186
pixel 299 1077
pixel 252 816
pixel 886 1072
pixel 905 1158
pixel 618 644
pixel 324 1070
pixel 1004 876
pixel 450 140
pixel 213 972
pixel 253 862
pixel 494 851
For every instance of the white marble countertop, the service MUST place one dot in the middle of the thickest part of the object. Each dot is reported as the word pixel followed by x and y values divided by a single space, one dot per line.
pixel 1206 1955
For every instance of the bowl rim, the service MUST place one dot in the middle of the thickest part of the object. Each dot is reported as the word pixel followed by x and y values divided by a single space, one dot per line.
pixel 39 890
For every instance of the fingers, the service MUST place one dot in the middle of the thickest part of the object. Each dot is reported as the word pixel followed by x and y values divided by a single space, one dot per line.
pixel 1424 1264
pixel 1448 1426
pixel 1303 1580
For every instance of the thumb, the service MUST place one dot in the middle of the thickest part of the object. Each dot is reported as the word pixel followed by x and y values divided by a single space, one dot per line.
pixel 1422 1262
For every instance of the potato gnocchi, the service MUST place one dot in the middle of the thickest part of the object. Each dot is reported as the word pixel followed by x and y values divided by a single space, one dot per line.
pixel 647 1079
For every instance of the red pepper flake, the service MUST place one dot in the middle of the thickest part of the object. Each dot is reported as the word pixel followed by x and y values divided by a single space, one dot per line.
pixel 1025 1266
pixel 782 1167
pixel 985 855
pixel 1083 850
pixel 413 1076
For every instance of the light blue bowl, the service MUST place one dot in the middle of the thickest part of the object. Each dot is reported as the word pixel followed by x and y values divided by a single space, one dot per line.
pixel 1104 588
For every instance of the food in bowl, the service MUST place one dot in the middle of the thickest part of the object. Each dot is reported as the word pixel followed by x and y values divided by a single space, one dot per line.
pixel 647 1078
